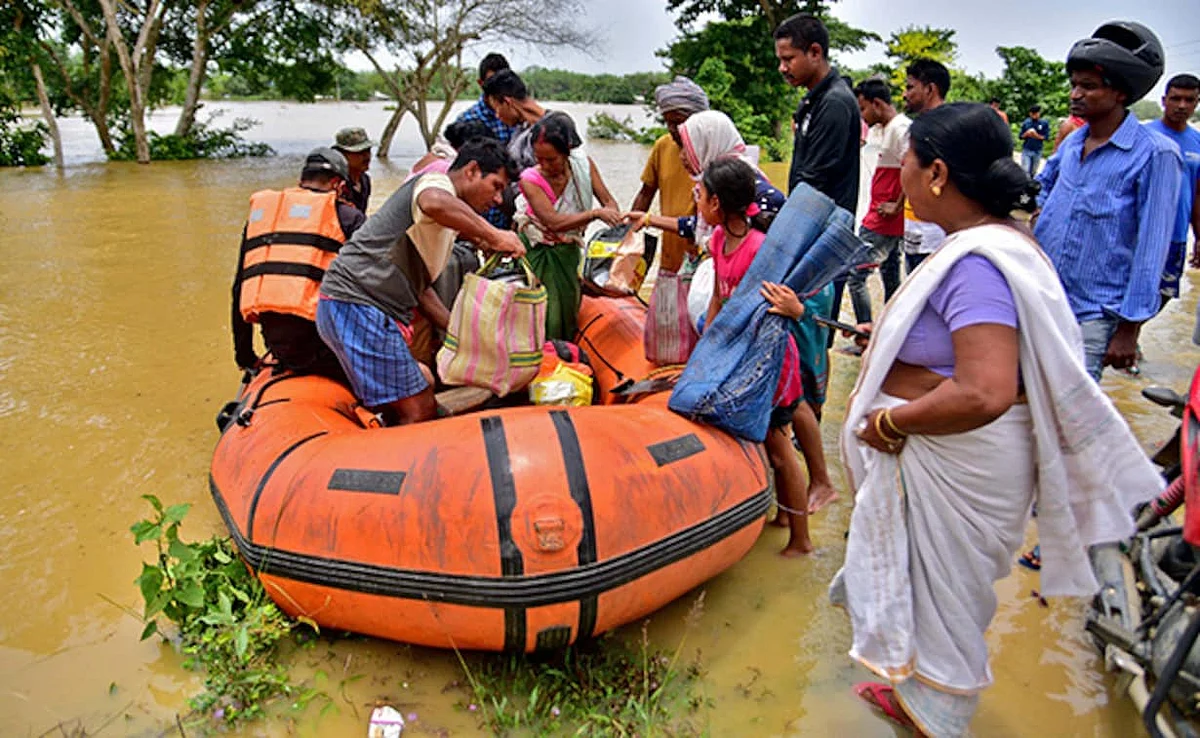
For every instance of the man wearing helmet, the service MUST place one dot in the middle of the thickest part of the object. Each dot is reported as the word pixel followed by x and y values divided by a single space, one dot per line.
pixel 1108 195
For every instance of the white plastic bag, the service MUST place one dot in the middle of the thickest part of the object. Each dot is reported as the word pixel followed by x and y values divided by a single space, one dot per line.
pixel 701 291
pixel 386 722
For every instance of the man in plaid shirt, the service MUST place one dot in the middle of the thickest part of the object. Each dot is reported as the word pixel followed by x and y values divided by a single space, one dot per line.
pixel 480 112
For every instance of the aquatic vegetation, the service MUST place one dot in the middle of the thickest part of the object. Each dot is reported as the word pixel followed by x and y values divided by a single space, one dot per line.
pixel 604 126
pixel 227 626
pixel 607 687
pixel 203 141
pixel 20 142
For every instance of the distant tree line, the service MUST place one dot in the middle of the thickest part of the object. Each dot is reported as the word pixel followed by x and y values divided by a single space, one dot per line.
pixel 112 61
pixel 733 58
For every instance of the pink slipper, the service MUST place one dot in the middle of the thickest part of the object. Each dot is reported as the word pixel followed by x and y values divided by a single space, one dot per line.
pixel 882 698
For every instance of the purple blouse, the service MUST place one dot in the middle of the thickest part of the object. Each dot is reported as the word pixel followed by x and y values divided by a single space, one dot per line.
pixel 973 292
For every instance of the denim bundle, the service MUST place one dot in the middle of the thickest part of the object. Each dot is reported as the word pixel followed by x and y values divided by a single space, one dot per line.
pixel 730 379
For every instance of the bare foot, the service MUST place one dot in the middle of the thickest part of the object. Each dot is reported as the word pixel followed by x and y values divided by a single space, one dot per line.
pixel 796 550
pixel 820 495
pixel 780 520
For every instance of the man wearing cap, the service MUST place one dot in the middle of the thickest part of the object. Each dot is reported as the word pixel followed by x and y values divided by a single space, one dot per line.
pixel 355 145
pixel 381 283
pixel 1109 195
pixel 290 237
pixel 677 101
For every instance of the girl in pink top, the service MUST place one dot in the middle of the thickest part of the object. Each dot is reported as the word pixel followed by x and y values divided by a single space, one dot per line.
pixel 726 202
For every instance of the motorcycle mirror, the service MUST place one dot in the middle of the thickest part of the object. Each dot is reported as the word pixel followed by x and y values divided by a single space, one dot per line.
pixel 1165 396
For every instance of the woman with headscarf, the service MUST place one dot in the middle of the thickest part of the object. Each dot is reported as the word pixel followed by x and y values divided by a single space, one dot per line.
pixel 553 209
pixel 972 406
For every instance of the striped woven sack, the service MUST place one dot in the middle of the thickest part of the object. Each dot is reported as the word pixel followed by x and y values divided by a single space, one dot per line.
pixel 669 335
pixel 496 331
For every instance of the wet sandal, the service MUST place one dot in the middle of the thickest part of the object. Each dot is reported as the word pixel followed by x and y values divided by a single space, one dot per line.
pixel 882 698
pixel 1032 559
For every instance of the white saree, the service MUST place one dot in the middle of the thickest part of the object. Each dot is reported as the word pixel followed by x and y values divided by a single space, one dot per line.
pixel 934 527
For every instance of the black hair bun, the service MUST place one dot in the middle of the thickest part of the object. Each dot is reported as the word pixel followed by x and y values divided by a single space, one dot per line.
pixel 1006 187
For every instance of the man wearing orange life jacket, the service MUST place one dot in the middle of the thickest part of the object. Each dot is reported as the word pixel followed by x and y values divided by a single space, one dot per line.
pixel 289 240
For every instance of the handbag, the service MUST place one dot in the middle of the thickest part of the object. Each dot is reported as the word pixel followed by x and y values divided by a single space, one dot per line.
pixel 496 330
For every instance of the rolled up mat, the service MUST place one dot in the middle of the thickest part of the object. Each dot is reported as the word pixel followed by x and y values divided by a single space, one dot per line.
pixel 730 378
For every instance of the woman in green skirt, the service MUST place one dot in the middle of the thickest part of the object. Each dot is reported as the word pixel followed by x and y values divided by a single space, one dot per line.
pixel 554 208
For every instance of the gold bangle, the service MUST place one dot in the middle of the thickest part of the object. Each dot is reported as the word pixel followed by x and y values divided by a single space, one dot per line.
pixel 887 418
pixel 879 430
pixel 646 220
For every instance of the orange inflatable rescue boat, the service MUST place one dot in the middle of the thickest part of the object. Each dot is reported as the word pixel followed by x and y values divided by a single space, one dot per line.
pixel 503 529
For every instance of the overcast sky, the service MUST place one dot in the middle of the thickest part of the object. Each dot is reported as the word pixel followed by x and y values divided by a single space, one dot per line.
pixel 635 29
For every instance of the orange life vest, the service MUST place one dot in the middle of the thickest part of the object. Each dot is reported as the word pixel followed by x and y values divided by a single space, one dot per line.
pixel 291 238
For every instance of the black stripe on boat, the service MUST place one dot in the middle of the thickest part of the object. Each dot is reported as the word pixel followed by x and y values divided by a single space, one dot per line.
pixel 504 494
pixel 266 477
pixel 365 480
pixel 581 493
pixel 676 449
pixel 518 592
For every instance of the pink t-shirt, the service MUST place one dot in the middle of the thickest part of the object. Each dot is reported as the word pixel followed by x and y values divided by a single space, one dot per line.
pixel 729 270
pixel 534 177
pixel 441 166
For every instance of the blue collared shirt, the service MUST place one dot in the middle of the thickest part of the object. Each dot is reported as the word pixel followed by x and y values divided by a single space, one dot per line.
pixel 481 113
pixel 1188 141
pixel 1106 220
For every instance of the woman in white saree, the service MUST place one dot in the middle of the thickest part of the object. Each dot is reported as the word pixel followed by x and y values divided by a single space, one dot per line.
pixel 972 406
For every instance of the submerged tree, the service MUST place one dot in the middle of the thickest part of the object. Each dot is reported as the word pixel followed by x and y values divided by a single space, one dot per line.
pixel 427 39
pixel 80 66
pixel 134 37
pixel 21 79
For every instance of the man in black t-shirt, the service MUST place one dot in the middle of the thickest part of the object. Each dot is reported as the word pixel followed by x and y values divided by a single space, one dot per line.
pixel 828 124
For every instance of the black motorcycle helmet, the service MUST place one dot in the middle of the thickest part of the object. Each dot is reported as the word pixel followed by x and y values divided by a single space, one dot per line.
pixel 1128 54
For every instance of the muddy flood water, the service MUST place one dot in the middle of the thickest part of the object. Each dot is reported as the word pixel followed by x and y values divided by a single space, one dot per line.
pixel 115 355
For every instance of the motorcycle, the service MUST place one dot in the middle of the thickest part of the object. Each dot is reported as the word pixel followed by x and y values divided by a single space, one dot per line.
pixel 1146 617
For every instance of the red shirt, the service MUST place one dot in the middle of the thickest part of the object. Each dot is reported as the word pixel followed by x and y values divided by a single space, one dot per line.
pixel 885 183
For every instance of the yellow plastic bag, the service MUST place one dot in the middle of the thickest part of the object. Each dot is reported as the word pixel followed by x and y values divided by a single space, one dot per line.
pixel 560 382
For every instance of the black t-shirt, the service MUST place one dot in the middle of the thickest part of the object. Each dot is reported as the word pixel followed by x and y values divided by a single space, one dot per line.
pixel 359 196
pixel 828 137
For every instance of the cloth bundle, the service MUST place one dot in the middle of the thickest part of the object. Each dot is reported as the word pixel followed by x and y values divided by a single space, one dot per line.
pixel 732 373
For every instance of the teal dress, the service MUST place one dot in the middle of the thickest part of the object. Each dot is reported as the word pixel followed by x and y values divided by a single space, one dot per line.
pixel 811 340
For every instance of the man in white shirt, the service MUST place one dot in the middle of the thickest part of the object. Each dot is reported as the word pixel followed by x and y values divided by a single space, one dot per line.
pixel 883 225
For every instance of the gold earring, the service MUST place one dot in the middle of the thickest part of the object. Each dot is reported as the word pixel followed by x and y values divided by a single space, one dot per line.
pixel 936 190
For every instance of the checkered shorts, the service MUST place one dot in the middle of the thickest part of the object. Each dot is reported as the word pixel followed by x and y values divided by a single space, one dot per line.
pixel 372 349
